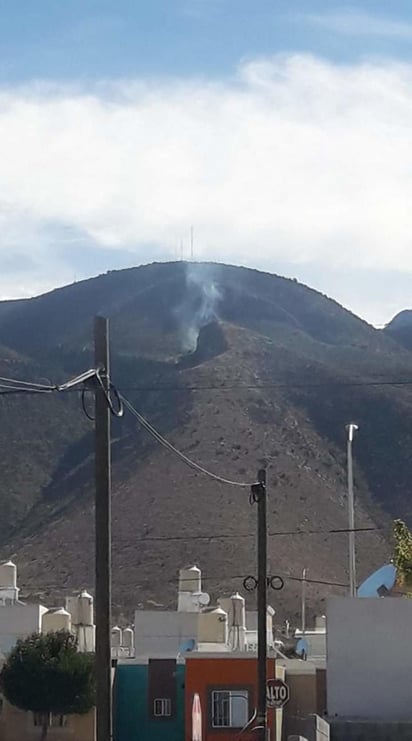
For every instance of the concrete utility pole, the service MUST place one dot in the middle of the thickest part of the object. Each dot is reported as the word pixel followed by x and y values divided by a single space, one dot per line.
pixel 259 493
pixel 103 535
pixel 351 429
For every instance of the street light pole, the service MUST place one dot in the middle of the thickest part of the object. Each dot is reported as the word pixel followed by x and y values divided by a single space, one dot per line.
pixel 303 600
pixel 351 429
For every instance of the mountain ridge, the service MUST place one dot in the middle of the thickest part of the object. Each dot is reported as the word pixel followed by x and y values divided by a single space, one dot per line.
pixel 238 369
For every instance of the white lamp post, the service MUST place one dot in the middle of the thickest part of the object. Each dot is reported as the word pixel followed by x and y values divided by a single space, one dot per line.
pixel 351 429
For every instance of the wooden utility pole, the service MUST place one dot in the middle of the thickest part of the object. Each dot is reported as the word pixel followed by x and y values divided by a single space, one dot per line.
pixel 103 535
pixel 260 496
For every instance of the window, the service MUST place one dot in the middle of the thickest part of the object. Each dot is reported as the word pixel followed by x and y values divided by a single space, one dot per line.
pixel 55 721
pixel 162 707
pixel 59 721
pixel 230 708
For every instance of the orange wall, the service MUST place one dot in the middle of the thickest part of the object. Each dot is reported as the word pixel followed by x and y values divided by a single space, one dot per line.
pixel 202 675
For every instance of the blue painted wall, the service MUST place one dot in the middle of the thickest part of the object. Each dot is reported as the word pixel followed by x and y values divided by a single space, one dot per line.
pixel 131 713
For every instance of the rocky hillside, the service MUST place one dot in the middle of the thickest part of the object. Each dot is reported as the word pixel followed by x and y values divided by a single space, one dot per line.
pixel 238 369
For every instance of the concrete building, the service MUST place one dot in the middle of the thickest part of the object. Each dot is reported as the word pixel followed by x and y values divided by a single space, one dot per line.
pixel 315 640
pixel 149 700
pixel 152 696
pixel 16 725
pixel 225 688
pixel 17 620
pixel 369 655
pixel 197 626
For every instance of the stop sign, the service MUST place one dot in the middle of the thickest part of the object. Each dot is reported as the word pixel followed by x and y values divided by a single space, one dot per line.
pixel 277 693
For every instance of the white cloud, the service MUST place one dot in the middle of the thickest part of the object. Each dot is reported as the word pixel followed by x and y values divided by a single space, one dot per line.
pixel 293 159
pixel 358 23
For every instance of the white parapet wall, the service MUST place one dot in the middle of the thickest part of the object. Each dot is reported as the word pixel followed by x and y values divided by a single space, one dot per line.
pixel 369 658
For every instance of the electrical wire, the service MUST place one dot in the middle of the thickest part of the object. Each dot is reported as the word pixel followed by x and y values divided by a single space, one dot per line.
pixel 230 536
pixel 71 384
pixel 18 382
pixel 7 390
pixel 237 536
pixel 220 577
pixel 271 385
pixel 166 444
pixel 119 411
pixel 77 380
pixel 14 386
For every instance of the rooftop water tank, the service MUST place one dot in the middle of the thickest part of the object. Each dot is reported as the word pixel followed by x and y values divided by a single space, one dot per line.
pixel 190 580
pixel 56 620
pixel 8 575
pixel 227 605
pixel 320 622
pixel 239 610
pixel 212 626
pixel 128 638
pixel 85 608
pixel 116 636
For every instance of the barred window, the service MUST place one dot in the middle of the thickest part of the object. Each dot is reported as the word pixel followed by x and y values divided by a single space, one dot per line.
pixel 230 708
pixel 162 707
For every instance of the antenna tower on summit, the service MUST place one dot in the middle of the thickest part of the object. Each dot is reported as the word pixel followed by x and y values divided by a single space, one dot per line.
pixel 192 252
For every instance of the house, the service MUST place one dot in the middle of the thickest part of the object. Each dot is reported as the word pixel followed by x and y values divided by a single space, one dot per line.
pixel 16 725
pixel 205 657
pixel 19 620
pixel 220 696
pixel 149 700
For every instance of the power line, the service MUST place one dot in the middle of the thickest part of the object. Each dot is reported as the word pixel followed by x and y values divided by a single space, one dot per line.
pixel 271 385
pixel 15 386
pixel 166 444
pixel 21 386
pixel 32 384
pixel 237 536
pixel 220 577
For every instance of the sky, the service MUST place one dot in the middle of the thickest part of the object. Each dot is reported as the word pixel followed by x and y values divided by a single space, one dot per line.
pixel 280 130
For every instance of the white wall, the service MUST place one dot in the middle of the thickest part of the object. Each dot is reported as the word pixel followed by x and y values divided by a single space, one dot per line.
pixel 18 621
pixel 369 658
pixel 161 633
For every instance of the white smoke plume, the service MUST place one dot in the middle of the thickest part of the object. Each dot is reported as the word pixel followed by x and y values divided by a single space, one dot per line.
pixel 200 304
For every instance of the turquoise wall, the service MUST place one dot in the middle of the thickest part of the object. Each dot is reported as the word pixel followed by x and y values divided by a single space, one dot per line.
pixel 131 717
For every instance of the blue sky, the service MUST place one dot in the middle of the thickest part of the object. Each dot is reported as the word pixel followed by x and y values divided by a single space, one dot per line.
pixel 93 39
pixel 281 130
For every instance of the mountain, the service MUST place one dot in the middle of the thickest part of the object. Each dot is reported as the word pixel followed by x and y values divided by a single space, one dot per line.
pixel 400 328
pixel 237 369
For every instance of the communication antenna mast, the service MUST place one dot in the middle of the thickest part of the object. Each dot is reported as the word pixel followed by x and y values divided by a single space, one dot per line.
pixel 192 253
pixel 181 249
